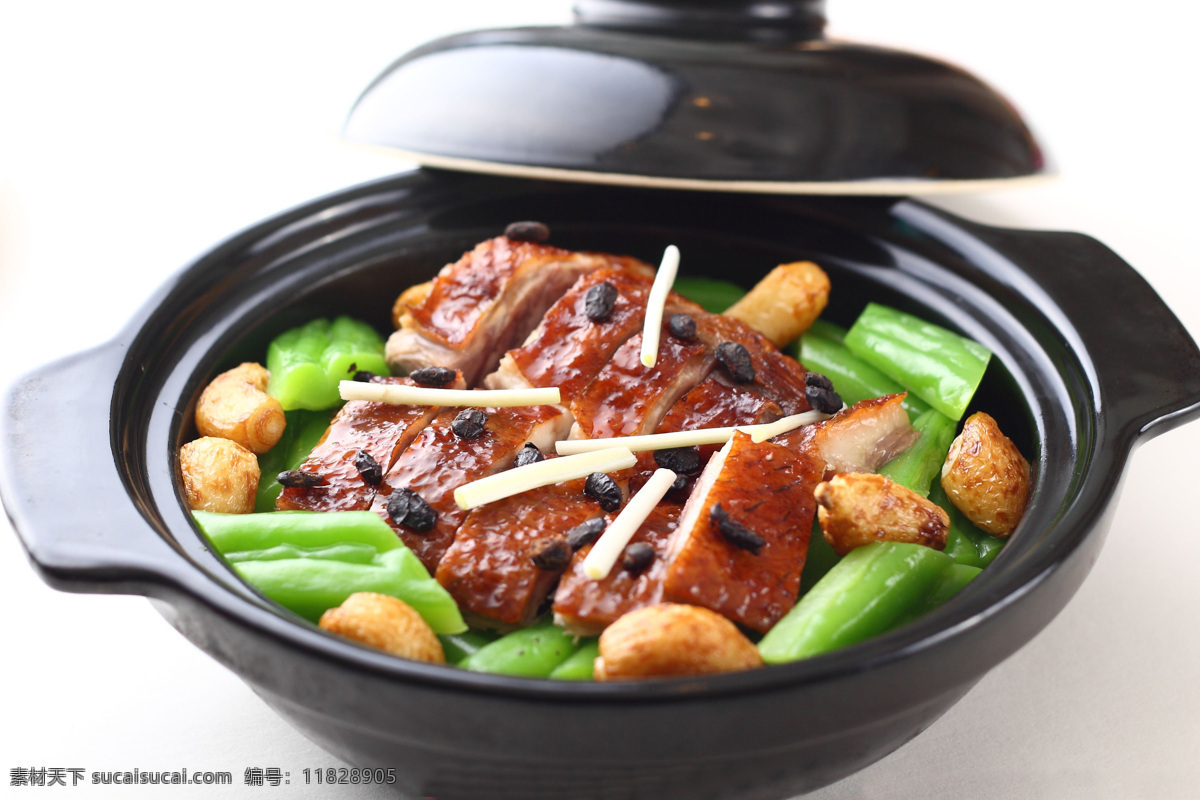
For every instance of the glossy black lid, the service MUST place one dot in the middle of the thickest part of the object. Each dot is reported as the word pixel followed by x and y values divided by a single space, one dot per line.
pixel 697 94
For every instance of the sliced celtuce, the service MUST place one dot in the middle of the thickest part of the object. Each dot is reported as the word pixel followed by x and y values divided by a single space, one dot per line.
pixel 399 395
pixel 543 473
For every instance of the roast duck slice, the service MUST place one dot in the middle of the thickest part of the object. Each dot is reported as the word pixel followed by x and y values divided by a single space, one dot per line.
pixel 487 302
pixel 586 607
pixel 380 430
pixel 569 347
pixel 517 315
pixel 439 461
pixel 742 539
pixel 508 555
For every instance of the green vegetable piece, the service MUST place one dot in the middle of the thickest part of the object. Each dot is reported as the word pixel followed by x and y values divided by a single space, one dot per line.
pixel 310 586
pixel 937 365
pixel 970 545
pixel 306 363
pixel 298 378
pixel 309 562
pixel 714 295
pixel 353 346
pixel 853 378
pixel 237 533
pixel 580 665
pixel 960 548
pixel 458 646
pixel 952 581
pixel 866 593
pixel 917 466
pixel 821 558
pixel 528 653
pixel 827 330
pixel 349 553
pixel 304 429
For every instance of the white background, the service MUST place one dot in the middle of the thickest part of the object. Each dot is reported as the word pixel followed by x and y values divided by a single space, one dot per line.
pixel 135 135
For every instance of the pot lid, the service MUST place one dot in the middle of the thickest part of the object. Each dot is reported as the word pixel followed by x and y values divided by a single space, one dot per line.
pixel 729 95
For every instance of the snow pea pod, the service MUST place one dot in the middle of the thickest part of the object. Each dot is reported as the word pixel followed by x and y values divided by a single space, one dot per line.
pixel 917 466
pixel 580 665
pixel 304 429
pixel 311 586
pixel 868 592
pixel 306 363
pixel 348 553
pixel 309 562
pixel 714 295
pixel 821 350
pixel 952 581
pixel 528 653
pixel 239 533
pixel 458 646
pixel 965 542
pixel 937 365
pixel 820 559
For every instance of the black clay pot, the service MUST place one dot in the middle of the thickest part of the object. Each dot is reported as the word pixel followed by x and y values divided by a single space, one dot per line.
pixel 1088 361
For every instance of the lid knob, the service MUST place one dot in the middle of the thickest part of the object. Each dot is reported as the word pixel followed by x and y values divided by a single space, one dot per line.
pixel 761 20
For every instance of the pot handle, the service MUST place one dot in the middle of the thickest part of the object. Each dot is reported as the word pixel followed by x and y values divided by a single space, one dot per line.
pixel 1145 365
pixel 82 526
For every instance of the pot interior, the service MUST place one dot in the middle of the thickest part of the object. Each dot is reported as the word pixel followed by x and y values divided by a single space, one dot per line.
pixel 356 251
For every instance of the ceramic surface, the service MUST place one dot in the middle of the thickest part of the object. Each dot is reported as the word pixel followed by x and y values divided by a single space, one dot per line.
pixel 691 94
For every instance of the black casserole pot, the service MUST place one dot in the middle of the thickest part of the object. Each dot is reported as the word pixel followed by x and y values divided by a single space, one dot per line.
pixel 1088 361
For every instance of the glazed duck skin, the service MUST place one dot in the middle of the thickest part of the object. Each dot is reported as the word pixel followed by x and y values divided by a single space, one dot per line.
pixel 628 398
pixel 439 461
pixel 585 607
pixel 487 302
pixel 491 571
pixel 777 377
pixel 569 348
pixel 380 429
pixel 766 491
pixel 711 404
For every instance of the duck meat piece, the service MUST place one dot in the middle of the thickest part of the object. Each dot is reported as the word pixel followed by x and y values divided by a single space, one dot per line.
pixel 625 398
pixel 861 438
pixel 628 398
pixel 440 460
pixel 487 302
pixel 586 607
pixel 711 404
pixel 575 340
pixel 508 555
pixel 381 430
pixel 742 538
pixel 777 376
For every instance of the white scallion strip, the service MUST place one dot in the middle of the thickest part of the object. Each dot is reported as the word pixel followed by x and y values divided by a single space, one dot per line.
pixel 769 430
pixel 664 279
pixel 543 473
pixel 401 395
pixel 664 441
pixel 608 547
